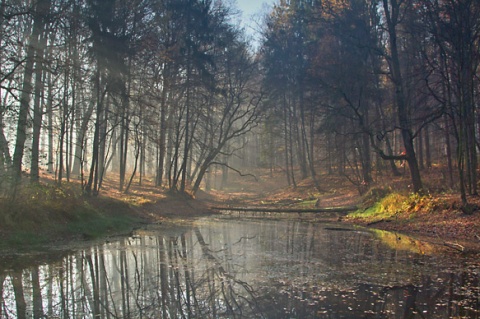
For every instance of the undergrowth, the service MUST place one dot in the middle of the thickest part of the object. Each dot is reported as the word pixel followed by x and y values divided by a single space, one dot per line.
pixel 42 213
pixel 392 205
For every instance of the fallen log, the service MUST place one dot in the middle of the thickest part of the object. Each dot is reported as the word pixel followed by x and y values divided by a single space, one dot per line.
pixel 289 210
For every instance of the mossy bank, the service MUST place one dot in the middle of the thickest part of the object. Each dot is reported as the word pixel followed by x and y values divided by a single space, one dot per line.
pixel 42 214
pixel 439 216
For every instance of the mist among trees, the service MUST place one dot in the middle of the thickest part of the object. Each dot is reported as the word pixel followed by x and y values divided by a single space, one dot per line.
pixel 173 91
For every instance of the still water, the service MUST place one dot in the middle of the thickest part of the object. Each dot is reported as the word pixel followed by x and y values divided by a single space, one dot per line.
pixel 220 267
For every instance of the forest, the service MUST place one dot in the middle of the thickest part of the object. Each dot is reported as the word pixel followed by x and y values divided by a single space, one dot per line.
pixel 176 91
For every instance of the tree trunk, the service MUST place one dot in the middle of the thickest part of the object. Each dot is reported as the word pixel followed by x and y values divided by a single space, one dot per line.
pixel 392 11
pixel 428 154
pixel 124 135
pixel 51 154
pixel 138 147
pixel 299 141
pixel 290 152
pixel 102 147
pixel 448 150
pixel 41 11
pixel 183 168
pixel 5 159
pixel 163 129
pixel 83 118
pixel 420 151
pixel 92 183
pixel 286 143
pixel 63 126
pixel 37 108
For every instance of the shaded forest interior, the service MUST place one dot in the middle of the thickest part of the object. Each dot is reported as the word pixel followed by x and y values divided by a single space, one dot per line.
pixel 173 92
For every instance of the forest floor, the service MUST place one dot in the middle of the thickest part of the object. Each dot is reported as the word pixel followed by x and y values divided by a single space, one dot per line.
pixel 436 216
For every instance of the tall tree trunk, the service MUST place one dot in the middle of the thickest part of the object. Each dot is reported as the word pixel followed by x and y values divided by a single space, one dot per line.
pixel 447 96
pixel 392 11
pixel 286 141
pixel 420 151
pixel 126 120
pixel 92 183
pixel 448 150
pixel 72 115
pixel 138 147
pixel 290 149
pixel 365 148
pixel 173 148
pixel 41 10
pixel 163 129
pixel 183 180
pixel 83 118
pixel 115 147
pixel 299 139
pixel 49 107
pixel 102 147
pixel 143 151
pixel 471 147
pixel 63 126
pixel 224 172
pixel 380 113
pixel 124 136
pixel 5 159
pixel 428 153
pixel 308 146
pixel 38 108
pixel 75 148
pixel 313 172
pixel 366 160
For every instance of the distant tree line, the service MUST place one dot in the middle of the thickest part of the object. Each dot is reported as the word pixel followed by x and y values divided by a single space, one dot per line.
pixel 354 83
pixel 125 86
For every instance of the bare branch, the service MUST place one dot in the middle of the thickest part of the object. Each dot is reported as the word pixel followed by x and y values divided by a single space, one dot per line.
pixel 234 169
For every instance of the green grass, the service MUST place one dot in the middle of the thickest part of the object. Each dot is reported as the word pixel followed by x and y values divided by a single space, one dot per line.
pixel 20 239
pixel 394 205
pixel 85 226
pixel 90 226
pixel 43 215
pixel 372 213
pixel 385 208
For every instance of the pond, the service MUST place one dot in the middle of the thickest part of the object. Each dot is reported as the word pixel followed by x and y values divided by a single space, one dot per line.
pixel 224 267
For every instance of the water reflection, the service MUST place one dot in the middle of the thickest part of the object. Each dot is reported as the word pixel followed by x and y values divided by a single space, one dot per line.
pixel 227 268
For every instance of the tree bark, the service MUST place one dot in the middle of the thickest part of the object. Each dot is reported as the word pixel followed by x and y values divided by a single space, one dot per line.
pixel 41 10
pixel 38 107
pixel 392 10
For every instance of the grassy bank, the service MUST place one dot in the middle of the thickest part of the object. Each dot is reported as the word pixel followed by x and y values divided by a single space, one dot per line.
pixel 385 205
pixel 439 216
pixel 41 214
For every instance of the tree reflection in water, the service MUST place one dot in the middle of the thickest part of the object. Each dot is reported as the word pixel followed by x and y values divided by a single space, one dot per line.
pixel 243 269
